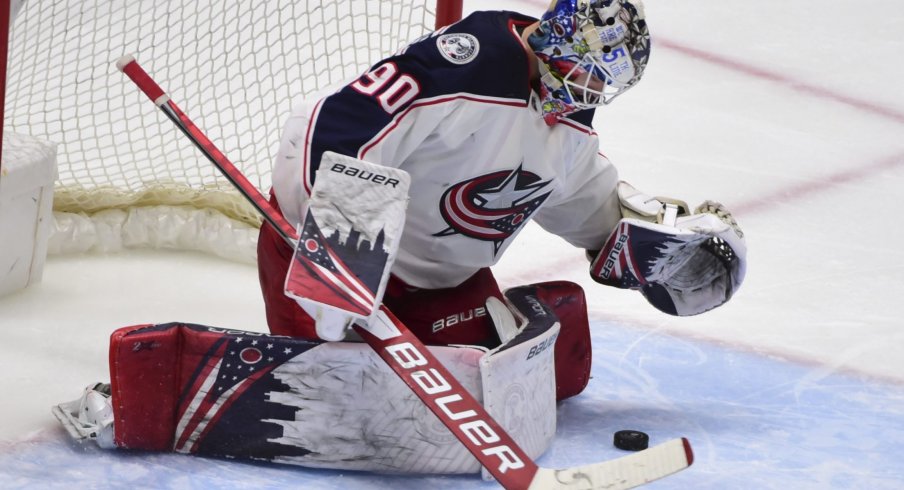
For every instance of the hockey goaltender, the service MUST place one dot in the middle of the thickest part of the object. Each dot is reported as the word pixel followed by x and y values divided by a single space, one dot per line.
pixel 407 185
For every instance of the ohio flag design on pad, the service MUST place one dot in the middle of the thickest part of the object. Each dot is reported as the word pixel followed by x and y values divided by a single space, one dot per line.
pixel 232 365
pixel 202 390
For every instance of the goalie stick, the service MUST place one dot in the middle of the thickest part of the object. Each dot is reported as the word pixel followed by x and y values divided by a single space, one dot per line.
pixel 407 356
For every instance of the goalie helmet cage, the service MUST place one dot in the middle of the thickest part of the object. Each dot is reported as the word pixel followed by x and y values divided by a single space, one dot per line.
pixel 238 66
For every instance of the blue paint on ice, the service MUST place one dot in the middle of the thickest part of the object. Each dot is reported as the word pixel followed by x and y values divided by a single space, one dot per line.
pixel 754 422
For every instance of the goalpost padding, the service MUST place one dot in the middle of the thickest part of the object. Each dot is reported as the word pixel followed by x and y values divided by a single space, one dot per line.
pixel 26 193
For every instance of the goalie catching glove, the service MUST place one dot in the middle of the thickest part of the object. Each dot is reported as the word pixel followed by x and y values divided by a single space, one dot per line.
pixel 683 263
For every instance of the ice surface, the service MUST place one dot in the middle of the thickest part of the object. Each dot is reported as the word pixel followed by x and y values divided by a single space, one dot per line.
pixel 790 113
pixel 755 422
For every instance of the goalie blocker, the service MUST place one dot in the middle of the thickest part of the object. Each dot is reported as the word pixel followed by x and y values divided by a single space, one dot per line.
pixel 209 391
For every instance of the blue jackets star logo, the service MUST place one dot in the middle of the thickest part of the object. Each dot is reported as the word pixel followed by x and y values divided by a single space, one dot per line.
pixel 492 207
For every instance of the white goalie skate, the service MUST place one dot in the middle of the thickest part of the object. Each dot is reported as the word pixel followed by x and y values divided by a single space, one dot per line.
pixel 90 417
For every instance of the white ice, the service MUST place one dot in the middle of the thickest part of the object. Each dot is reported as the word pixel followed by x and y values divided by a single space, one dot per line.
pixel 790 113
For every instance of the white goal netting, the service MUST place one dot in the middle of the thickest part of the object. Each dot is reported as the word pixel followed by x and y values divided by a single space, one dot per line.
pixel 236 67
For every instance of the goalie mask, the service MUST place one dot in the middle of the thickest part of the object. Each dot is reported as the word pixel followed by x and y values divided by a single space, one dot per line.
pixel 590 52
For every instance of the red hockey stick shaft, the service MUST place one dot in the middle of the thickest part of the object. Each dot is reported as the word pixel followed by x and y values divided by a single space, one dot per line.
pixel 394 343
pixel 133 70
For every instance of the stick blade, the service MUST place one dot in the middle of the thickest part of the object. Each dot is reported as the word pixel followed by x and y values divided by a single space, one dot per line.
pixel 622 473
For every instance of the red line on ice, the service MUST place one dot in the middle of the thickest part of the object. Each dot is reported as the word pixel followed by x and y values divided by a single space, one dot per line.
pixel 800 86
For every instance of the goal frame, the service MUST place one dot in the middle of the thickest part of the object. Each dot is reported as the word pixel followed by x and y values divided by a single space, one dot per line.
pixel 5 6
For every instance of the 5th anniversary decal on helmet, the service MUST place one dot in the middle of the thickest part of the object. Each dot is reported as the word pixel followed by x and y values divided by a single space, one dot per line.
pixel 459 48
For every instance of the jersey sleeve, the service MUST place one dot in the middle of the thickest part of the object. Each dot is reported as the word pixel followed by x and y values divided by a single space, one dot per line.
pixel 374 118
pixel 369 110
pixel 585 209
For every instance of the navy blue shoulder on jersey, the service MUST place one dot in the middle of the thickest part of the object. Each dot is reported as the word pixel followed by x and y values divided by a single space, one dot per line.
pixel 498 68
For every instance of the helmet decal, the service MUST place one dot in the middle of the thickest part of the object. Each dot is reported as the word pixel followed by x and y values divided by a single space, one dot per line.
pixel 590 52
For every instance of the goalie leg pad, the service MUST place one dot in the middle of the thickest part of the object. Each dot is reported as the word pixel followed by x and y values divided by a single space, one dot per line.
pixel 201 390
pixel 573 352
pixel 184 387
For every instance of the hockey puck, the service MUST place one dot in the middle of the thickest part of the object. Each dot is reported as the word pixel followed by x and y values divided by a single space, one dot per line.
pixel 631 440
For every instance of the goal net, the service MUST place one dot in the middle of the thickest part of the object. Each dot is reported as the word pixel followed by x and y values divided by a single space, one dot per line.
pixel 235 66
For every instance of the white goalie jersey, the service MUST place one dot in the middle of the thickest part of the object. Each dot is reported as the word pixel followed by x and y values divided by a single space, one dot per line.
pixel 455 110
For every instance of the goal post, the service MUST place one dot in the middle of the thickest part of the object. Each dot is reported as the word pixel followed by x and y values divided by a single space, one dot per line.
pixel 4 45
pixel 124 180
pixel 447 12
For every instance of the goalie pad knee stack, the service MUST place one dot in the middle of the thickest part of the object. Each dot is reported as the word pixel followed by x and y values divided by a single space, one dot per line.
pixel 684 264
